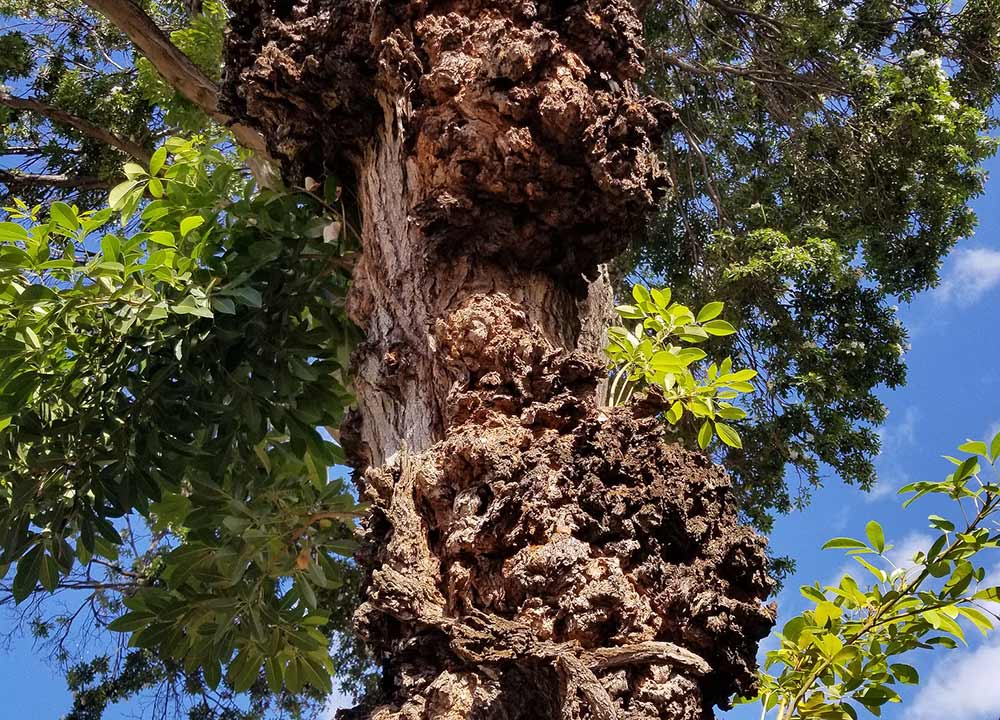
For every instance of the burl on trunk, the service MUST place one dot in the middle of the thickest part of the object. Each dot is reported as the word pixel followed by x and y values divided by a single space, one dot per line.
pixel 531 554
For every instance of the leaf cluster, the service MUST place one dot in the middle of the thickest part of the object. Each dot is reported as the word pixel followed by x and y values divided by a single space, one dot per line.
pixel 179 369
pixel 823 166
pixel 653 353
pixel 846 652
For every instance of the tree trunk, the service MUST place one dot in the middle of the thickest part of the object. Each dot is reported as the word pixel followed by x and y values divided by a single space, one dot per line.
pixel 531 554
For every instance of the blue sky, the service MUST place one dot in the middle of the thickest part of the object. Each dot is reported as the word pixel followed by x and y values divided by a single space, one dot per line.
pixel 953 393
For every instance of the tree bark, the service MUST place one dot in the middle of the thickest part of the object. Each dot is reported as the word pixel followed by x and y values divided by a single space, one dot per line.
pixel 15 178
pixel 531 554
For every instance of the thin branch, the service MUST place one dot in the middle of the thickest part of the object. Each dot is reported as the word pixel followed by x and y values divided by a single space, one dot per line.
pixel 71 182
pixel 32 151
pixel 174 66
pixel 88 128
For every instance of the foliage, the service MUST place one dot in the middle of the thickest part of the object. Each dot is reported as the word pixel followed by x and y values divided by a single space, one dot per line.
pixel 65 55
pixel 74 60
pixel 201 39
pixel 647 355
pixel 848 649
pixel 180 371
pixel 823 166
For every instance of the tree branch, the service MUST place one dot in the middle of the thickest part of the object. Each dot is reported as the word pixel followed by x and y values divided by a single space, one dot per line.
pixel 71 182
pixel 174 66
pixel 86 127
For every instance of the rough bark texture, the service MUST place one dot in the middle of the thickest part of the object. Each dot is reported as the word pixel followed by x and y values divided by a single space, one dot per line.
pixel 531 554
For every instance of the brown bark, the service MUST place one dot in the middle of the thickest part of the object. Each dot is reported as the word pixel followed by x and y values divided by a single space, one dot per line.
pixel 15 178
pixel 531 553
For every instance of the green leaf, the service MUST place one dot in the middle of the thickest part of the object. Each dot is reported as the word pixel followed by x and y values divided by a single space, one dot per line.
pixel 661 298
pixel 975 447
pixel 992 594
pixel 155 187
pixel 111 247
pixel 274 672
pixel 246 295
pixel 163 237
pixel 133 171
pixel 131 622
pixel 940 621
pixel 156 162
pixel 844 543
pixel 879 574
pixel 119 194
pixel 705 434
pixel 941 523
pixel 294 676
pixel 728 435
pixel 711 311
pixel 191 223
pixel 693 333
pixel 719 328
pixel 317 676
pixel 630 312
pixel 825 611
pixel 690 355
pixel 12 232
pixel 64 216
pixel 969 466
pixel 31 339
pixel 191 306
pixel 979 619
pixel 905 673
pixel 224 305
pixel 26 578
pixel 306 591
pixel 640 293
pixel 732 413
pixel 48 573
pixel 875 695
pixel 876 536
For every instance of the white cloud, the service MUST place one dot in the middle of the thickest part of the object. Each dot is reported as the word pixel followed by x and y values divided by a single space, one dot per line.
pixel 894 437
pixel 963 685
pixel 971 273
pixel 839 521
pixel 888 483
pixel 900 556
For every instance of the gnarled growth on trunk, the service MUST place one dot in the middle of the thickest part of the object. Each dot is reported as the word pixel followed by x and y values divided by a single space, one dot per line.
pixel 530 553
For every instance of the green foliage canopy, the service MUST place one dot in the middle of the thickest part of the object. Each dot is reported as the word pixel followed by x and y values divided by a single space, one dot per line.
pixel 823 166
pixel 178 368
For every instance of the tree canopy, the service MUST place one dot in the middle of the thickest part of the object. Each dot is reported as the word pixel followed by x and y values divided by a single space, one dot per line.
pixel 823 167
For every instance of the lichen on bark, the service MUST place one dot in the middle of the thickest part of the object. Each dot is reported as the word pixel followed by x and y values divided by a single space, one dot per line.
pixel 531 554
